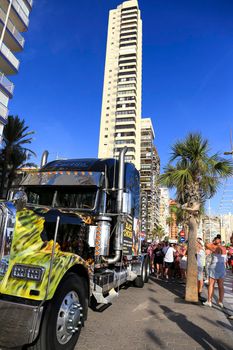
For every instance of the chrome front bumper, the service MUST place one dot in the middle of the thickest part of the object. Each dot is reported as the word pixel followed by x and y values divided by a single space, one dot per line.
pixel 19 324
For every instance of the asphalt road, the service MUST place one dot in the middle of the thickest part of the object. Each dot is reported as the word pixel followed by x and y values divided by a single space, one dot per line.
pixel 156 317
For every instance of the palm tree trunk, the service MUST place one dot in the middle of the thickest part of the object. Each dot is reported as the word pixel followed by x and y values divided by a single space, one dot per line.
pixel 191 291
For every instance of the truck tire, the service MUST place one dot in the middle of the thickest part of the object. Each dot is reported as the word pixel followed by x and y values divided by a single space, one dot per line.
pixel 140 280
pixel 64 316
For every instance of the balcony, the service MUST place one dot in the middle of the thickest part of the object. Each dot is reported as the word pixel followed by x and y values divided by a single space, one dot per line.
pixel 13 39
pixel 125 127
pixel 6 85
pixel 29 3
pixel 129 23
pixel 127 73
pixel 129 18
pixel 127 135
pixel 129 45
pixel 121 87
pixel 128 67
pixel 126 93
pixel 119 149
pixel 128 40
pixel 19 15
pixel 3 113
pixel 127 14
pixel 125 141
pixel 127 9
pixel 124 62
pixel 125 35
pixel 8 62
pixel 128 29
pixel 124 121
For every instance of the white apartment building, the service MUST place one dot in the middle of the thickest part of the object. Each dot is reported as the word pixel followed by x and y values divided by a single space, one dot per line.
pixel 14 19
pixel 121 102
pixel 164 202
pixel 149 175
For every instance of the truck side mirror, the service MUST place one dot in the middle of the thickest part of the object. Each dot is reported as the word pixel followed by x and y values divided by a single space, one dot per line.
pixel 127 203
pixel 20 199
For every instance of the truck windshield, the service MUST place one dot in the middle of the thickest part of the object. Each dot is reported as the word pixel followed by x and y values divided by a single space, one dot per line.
pixel 78 198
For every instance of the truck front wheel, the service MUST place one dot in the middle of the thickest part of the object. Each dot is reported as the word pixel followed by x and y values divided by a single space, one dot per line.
pixel 64 316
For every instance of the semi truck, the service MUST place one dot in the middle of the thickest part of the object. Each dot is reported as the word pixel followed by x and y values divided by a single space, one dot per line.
pixel 69 238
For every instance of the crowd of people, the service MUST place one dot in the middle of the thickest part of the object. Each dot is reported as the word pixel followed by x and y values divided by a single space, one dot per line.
pixel 169 261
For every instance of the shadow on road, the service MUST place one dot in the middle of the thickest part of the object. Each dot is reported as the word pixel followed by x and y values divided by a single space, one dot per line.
pixel 193 331
pixel 171 286
pixel 218 323
pixel 155 339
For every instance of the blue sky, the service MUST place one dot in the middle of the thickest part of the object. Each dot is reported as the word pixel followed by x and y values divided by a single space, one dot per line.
pixel 187 73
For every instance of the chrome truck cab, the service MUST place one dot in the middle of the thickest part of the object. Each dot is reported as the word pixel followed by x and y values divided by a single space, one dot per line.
pixel 71 233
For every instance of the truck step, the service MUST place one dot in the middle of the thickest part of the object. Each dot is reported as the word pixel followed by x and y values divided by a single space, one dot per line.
pixel 101 299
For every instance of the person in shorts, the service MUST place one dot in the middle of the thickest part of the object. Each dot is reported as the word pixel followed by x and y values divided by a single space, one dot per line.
pixel 169 261
pixel 158 260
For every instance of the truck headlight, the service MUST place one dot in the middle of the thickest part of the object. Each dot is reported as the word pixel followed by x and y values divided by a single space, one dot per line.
pixel 32 273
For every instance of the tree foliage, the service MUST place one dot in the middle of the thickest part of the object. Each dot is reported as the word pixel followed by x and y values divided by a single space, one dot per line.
pixel 192 169
pixel 15 152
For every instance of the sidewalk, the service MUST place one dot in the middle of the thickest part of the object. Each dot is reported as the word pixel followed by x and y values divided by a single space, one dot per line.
pixel 156 317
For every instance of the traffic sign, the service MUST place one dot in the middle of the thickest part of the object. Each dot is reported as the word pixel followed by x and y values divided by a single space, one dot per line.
pixel 182 239
pixel 182 233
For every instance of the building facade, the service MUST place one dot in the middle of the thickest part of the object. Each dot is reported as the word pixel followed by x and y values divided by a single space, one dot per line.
pixel 217 224
pixel 149 174
pixel 121 102
pixel 211 226
pixel 164 209
pixel 14 19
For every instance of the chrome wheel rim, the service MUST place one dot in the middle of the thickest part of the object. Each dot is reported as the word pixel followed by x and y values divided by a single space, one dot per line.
pixel 69 318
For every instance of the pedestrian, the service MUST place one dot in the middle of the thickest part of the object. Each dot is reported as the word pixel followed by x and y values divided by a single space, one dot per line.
pixel 183 262
pixel 217 270
pixel 200 266
pixel 177 273
pixel 150 252
pixel 208 259
pixel 169 261
pixel 158 260
pixel 230 256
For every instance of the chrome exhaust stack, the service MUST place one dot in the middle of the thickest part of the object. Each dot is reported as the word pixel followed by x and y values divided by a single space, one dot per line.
pixel 121 179
pixel 118 242
pixel 44 158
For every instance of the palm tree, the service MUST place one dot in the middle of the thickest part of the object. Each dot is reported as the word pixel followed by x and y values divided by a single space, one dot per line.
pixel 158 232
pixel 14 153
pixel 196 176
